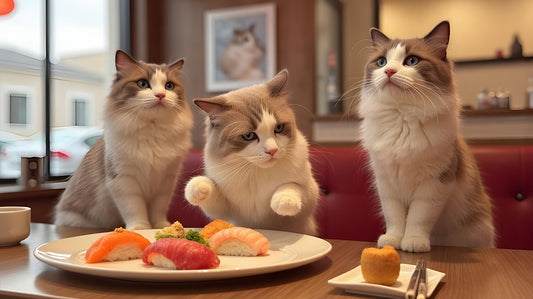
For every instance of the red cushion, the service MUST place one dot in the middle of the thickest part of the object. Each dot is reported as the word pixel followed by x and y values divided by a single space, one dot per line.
pixel 349 209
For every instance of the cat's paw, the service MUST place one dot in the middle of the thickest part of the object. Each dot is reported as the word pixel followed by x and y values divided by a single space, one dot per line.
pixel 285 203
pixel 415 244
pixel 198 189
pixel 388 239
pixel 138 225
pixel 161 224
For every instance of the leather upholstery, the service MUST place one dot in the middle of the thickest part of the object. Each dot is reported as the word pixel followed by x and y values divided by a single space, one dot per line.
pixel 349 209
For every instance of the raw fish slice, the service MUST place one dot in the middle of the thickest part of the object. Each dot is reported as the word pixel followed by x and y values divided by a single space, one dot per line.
pixel 182 254
pixel 121 244
pixel 240 241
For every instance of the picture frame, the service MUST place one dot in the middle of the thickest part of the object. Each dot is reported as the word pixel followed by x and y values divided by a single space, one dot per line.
pixel 240 46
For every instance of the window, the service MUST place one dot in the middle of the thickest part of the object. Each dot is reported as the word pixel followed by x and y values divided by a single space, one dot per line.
pixel 80 113
pixel 82 38
pixel 18 109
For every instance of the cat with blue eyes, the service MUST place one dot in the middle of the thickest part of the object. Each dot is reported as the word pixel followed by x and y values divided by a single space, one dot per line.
pixel 128 177
pixel 257 172
pixel 427 180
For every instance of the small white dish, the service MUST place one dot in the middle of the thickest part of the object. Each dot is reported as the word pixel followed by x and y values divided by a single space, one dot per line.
pixel 353 282
pixel 15 224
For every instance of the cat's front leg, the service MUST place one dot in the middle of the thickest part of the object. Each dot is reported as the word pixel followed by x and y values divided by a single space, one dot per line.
pixel 199 189
pixel 203 192
pixel 424 212
pixel 395 214
pixel 127 197
pixel 287 200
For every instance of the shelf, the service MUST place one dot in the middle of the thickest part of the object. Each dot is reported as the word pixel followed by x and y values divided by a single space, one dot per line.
pixel 497 112
pixel 467 112
pixel 492 61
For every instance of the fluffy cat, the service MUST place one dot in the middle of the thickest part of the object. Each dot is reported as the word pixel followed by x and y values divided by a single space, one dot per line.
pixel 257 172
pixel 426 178
pixel 128 176
pixel 241 60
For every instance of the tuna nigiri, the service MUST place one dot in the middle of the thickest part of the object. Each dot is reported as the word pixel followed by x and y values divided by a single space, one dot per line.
pixel 239 241
pixel 121 244
pixel 182 254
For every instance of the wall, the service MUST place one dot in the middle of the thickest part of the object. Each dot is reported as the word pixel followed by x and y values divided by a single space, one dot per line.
pixel 470 78
pixel 477 24
pixel 165 30
pixel 358 18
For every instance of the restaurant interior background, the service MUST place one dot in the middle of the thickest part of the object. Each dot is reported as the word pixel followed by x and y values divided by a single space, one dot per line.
pixel 162 31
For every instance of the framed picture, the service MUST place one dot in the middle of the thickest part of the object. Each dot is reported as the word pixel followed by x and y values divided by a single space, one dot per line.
pixel 240 46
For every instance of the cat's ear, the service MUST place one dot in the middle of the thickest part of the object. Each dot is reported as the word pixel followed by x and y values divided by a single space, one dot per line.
pixel 378 37
pixel 277 84
pixel 177 65
pixel 438 38
pixel 213 106
pixel 123 60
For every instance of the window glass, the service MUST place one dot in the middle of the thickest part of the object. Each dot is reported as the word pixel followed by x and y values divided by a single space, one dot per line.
pixel 21 85
pixel 84 35
pixel 18 109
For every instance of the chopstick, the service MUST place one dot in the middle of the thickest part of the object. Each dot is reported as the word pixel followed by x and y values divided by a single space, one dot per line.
pixel 422 285
pixel 417 287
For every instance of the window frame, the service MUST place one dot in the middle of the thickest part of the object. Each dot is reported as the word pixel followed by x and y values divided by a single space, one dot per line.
pixel 121 9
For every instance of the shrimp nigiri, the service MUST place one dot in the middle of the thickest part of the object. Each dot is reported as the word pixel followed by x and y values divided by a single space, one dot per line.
pixel 239 241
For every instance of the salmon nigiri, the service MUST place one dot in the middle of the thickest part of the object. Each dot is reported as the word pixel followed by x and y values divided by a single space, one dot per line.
pixel 239 241
pixel 119 245
pixel 181 254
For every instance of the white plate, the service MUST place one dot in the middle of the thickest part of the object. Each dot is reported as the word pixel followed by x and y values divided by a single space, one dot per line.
pixel 353 282
pixel 287 250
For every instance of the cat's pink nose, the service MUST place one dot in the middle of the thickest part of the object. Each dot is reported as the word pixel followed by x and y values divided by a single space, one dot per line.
pixel 160 96
pixel 272 152
pixel 390 72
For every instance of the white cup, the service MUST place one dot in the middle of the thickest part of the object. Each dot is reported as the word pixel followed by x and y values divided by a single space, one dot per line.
pixel 14 224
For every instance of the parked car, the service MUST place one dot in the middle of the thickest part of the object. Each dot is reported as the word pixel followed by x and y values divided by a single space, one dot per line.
pixel 68 146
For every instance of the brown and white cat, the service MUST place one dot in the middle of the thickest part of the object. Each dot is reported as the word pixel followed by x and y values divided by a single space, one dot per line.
pixel 426 178
pixel 241 60
pixel 257 172
pixel 128 176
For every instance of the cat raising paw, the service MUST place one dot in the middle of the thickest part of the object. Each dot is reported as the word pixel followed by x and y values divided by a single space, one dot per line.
pixel 388 239
pixel 415 244
pixel 199 189
pixel 286 203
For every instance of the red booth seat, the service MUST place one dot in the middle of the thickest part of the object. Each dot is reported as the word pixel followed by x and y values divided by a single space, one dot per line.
pixel 348 208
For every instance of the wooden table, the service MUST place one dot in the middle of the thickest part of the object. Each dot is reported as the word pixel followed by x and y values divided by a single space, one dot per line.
pixel 470 273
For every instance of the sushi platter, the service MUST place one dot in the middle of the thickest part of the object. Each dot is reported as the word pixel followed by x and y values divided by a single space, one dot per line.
pixel 287 250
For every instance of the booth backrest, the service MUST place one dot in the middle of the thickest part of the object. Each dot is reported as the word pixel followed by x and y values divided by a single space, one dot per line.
pixel 349 209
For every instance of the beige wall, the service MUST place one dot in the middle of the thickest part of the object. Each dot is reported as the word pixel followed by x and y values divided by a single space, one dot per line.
pixel 25 83
pixel 470 78
pixel 479 27
pixel 64 92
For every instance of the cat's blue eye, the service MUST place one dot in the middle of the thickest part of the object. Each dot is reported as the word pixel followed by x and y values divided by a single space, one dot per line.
pixel 169 86
pixel 249 136
pixel 411 60
pixel 381 62
pixel 279 128
pixel 143 83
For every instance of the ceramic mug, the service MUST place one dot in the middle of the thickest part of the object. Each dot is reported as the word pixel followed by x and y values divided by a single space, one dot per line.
pixel 14 224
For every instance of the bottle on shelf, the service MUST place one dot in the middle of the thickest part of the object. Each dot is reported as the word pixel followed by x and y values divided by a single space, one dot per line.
pixel 333 96
pixel 529 93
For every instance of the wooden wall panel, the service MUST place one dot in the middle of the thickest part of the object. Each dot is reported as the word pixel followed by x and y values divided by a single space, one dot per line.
pixel 165 30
